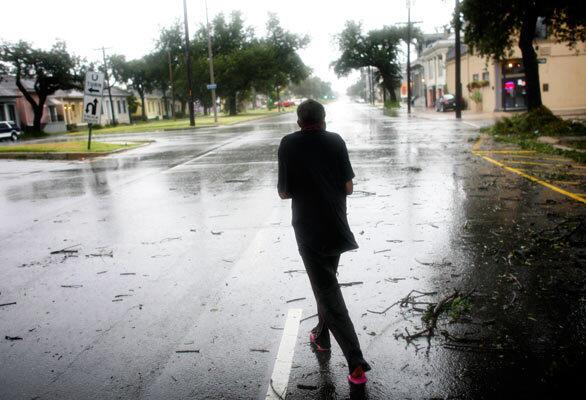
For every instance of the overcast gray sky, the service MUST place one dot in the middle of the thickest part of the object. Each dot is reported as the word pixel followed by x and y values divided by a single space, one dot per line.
pixel 130 27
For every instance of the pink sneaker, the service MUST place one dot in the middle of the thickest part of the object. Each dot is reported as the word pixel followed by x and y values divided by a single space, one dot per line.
pixel 358 377
pixel 313 340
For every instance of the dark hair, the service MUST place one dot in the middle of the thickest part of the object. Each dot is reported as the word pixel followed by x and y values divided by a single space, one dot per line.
pixel 310 112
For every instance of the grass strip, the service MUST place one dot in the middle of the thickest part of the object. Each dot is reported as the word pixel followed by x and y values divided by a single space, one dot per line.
pixel 67 147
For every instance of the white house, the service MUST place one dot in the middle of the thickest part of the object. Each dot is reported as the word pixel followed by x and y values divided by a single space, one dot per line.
pixel 432 64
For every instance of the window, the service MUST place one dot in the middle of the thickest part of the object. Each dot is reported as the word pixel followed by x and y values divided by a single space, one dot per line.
pixel 475 77
pixel 124 106
pixel 485 76
pixel 2 113
pixel 52 113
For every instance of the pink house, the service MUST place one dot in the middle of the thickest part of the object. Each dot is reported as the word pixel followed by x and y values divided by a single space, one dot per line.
pixel 14 107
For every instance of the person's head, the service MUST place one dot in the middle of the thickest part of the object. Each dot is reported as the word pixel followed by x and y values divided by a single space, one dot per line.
pixel 311 114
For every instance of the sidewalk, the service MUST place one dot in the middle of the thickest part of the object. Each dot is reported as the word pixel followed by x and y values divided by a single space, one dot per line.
pixel 478 119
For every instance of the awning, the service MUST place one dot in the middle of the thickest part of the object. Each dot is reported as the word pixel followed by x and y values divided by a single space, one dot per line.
pixel 51 101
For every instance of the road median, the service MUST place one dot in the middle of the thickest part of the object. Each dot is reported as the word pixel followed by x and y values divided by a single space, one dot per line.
pixel 70 150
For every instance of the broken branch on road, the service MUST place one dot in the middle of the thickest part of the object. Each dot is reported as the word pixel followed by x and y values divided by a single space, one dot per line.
pixel 67 250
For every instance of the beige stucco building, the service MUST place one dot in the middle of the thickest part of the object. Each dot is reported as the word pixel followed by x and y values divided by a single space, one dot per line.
pixel 562 75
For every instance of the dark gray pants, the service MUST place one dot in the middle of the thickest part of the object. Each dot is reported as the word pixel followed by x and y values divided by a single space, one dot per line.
pixel 332 312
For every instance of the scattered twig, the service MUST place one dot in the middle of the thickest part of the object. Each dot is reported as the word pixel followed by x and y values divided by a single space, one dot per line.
pixel 170 239
pixel 294 270
pixel 404 301
pixel 306 318
pixel 346 284
pixel 216 233
pixel 109 254
pixel 297 299
pixel 382 251
pixel 237 181
pixel 8 304
pixel 260 350
pixel 12 337
pixel 66 250
pixel 128 273
pixel 363 193
pixel 186 351
pixel 306 387
pixel 275 390
pixel 72 286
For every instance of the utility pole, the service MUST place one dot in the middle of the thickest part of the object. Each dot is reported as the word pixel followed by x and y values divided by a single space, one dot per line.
pixel 172 84
pixel 188 66
pixel 408 56
pixel 409 24
pixel 108 81
pixel 211 61
pixel 458 62
pixel 370 85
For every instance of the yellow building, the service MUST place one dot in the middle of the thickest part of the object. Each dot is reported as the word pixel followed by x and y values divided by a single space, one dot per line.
pixel 562 75
pixel 154 106
pixel 71 105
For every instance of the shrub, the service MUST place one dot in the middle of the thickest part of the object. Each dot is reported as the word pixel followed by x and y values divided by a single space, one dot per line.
pixel 72 128
pixel 476 96
pixel 539 122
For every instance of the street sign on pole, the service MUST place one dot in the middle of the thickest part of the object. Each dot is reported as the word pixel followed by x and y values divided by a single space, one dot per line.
pixel 92 101
pixel 212 86
pixel 92 97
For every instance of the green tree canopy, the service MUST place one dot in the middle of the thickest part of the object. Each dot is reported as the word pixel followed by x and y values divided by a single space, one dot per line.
pixel 243 61
pixel 137 74
pixel 50 70
pixel 379 48
pixel 494 30
pixel 358 90
pixel 312 87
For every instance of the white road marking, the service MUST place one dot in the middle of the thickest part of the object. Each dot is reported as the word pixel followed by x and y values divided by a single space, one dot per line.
pixel 282 368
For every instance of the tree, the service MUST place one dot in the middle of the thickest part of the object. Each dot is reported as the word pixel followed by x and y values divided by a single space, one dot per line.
pixel 52 70
pixel 137 74
pixel 243 62
pixel 312 87
pixel 493 31
pixel 168 57
pixel 358 89
pixel 284 64
pixel 378 48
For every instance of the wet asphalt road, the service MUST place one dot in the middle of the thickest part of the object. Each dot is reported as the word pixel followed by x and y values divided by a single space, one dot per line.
pixel 183 245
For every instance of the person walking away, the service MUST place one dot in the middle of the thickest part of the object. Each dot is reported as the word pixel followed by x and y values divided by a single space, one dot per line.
pixel 316 174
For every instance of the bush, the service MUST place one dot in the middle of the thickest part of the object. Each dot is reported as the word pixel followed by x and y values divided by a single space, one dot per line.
pixel 392 104
pixel 476 96
pixel 476 85
pixel 72 128
pixel 539 122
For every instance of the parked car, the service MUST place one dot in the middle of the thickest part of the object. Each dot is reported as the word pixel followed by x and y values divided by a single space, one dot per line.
pixel 286 103
pixel 445 103
pixel 9 130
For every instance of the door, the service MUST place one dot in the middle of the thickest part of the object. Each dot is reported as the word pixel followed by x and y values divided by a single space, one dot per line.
pixel 514 93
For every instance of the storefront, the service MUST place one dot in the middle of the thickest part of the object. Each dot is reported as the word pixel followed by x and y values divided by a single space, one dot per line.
pixel 513 85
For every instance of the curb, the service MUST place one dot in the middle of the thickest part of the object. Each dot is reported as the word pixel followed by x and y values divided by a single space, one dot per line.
pixel 65 156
